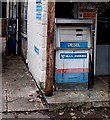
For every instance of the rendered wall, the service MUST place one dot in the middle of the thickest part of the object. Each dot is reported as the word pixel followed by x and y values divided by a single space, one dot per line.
pixel 37 35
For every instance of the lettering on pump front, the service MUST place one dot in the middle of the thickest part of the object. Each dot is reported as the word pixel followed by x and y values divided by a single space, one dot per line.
pixel 82 56
pixel 73 55
pixel 73 45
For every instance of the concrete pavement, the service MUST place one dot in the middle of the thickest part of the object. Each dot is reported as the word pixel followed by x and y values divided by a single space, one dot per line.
pixel 19 88
pixel 98 96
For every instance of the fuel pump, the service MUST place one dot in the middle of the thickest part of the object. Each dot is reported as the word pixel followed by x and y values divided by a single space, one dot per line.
pixel 74 53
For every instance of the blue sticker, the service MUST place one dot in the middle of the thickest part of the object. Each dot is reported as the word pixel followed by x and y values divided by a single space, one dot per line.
pixel 93 27
pixel 38 7
pixel 73 55
pixel 38 16
pixel 38 1
pixel 36 49
pixel 73 44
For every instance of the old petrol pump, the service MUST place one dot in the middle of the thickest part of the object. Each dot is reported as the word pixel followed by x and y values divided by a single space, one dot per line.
pixel 11 43
pixel 74 51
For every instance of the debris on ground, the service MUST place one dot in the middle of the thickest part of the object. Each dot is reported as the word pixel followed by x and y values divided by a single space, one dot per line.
pixel 61 113
pixel 31 100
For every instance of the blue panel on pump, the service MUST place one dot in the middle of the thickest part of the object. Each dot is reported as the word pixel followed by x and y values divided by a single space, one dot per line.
pixel 73 44
pixel 71 77
pixel 73 55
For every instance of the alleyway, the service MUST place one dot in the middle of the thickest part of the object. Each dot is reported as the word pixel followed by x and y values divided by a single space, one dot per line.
pixel 19 88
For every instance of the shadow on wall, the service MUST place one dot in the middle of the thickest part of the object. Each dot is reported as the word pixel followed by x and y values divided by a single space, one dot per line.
pixel 4 23
pixel 3 27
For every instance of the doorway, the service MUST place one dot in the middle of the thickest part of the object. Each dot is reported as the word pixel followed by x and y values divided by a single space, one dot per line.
pixel 103 43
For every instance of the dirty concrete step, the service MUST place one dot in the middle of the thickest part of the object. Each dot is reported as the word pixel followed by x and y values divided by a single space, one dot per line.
pixel 78 98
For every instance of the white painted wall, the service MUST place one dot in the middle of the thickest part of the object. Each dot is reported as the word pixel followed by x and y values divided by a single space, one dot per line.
pixel 37 36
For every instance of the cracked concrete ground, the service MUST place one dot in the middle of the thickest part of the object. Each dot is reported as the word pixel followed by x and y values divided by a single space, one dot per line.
pixel 19 88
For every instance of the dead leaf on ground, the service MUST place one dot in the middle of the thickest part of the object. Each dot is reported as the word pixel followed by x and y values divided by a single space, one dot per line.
pixel 74 117
pixel 30 95
pixel 33 80
pixel 72 114
pixel 75 92
pixel 72 109
pixel 61 113
pixel 27 113
pixel 39 101
pixel 101 93
pixel 31 100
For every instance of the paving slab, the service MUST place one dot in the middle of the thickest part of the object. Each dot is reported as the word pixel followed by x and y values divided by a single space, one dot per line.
pixel 20 86
pixel 21 104
pixel 34 116
pixel 28 115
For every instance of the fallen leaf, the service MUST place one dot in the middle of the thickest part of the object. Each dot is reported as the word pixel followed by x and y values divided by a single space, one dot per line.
pixel 72 114
pixel 92 110
pixel 27 113
pixel 106 116
pixel 72 109
pixel 31 100
pixel 39 101
pixel 74 117
pixel 6 89
pixel 101 93
pixel 75 92
pixel 61 113
pixel 40 96
pixel 31 95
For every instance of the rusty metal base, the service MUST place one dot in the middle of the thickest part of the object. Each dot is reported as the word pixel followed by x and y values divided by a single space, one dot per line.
pixel 71 86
